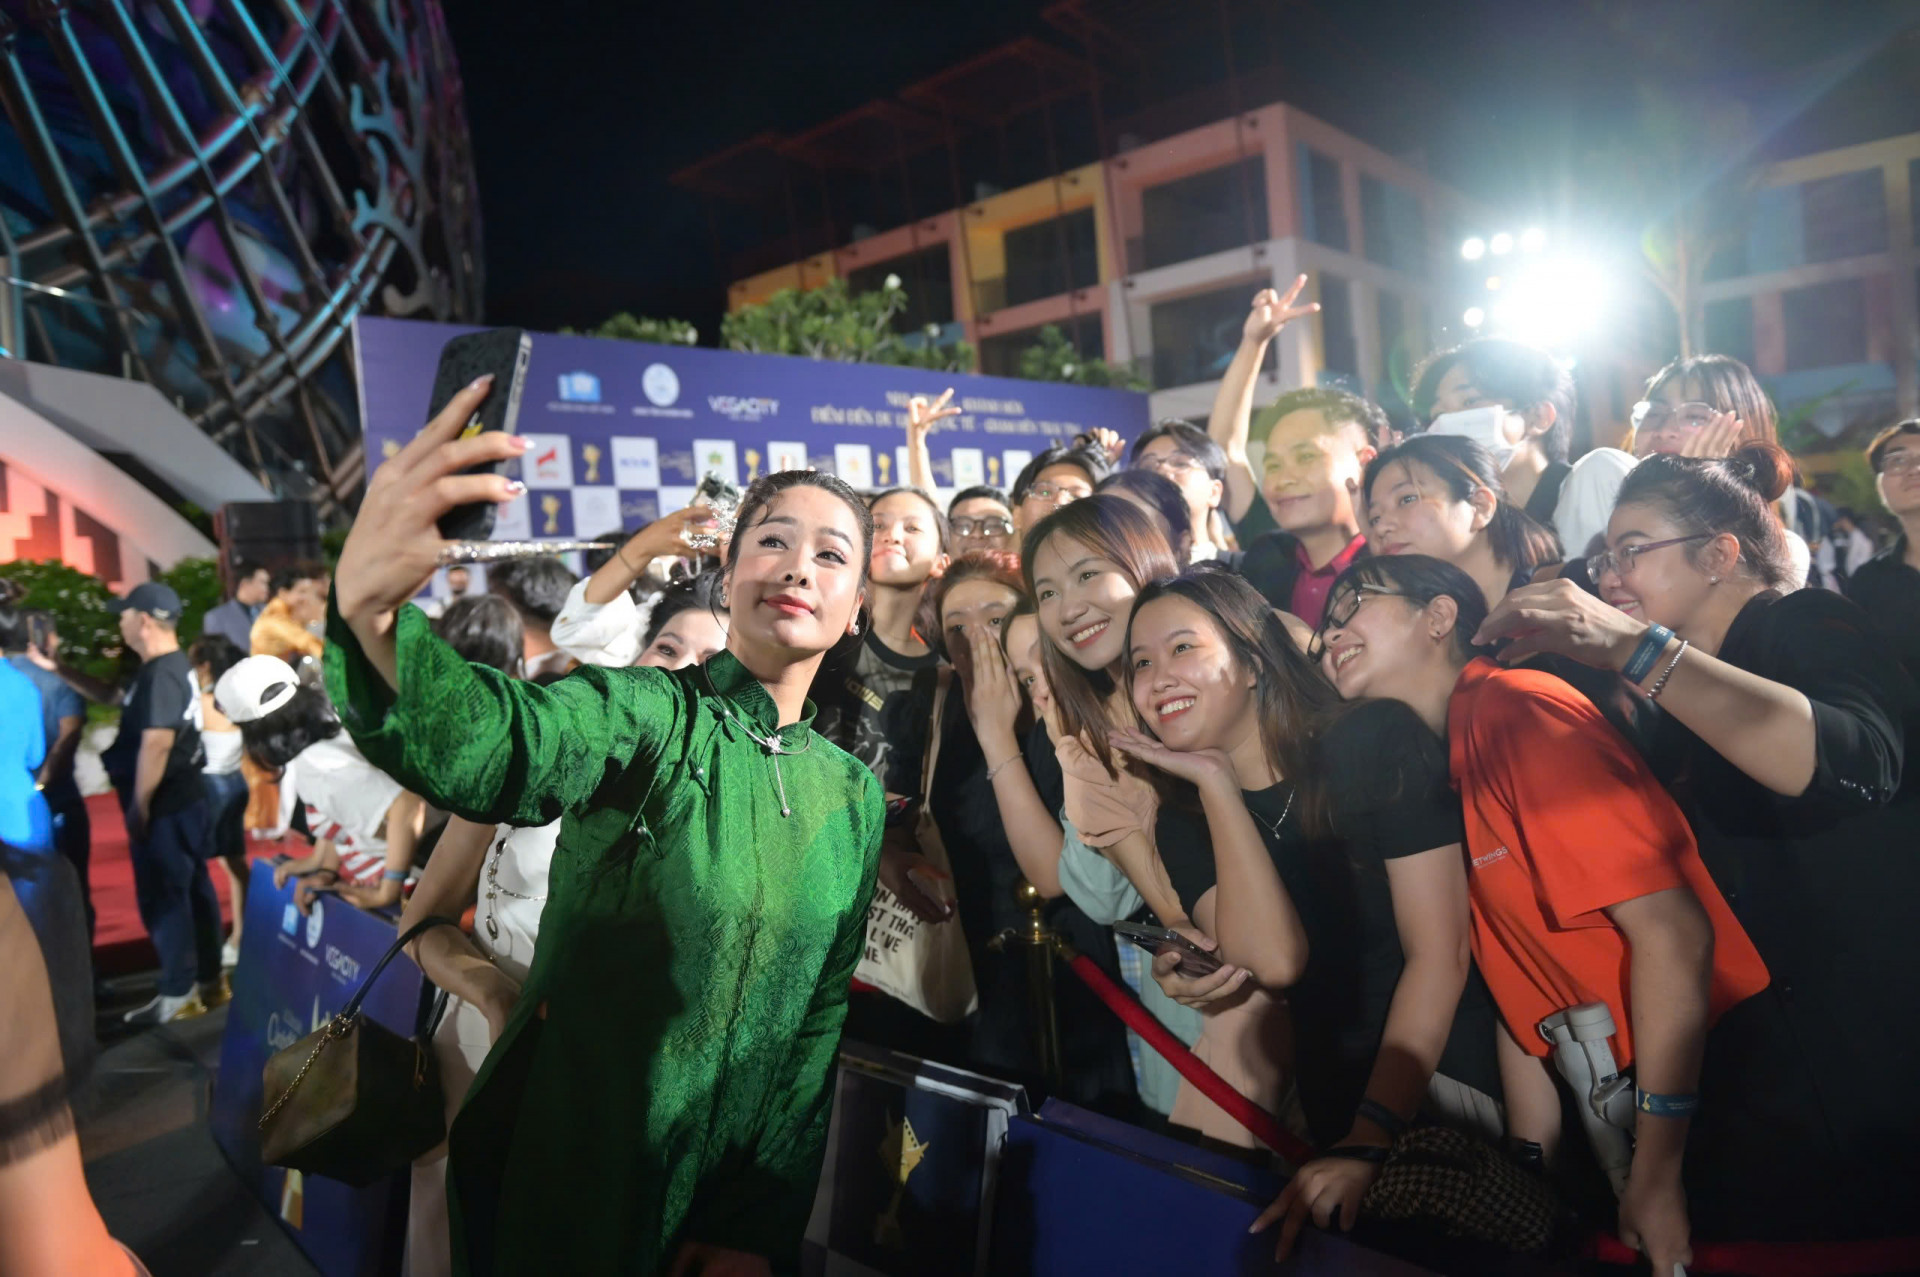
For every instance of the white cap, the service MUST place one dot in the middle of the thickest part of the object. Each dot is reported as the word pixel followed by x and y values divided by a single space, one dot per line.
pixel 255 687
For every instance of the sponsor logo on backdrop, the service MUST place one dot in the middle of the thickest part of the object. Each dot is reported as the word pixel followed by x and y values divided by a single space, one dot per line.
pixel 344 968
pixel 290 920
pixel 315 920
pixel 579 387
pixel 743 408
pixel 283 1030
pixel 661 384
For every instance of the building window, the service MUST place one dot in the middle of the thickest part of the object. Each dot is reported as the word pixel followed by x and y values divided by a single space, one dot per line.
pixel 1220 209
pixel 1194 338
pixel 1339 352
pixel 1322 207
pixel 927 278
pixel 1730 328
pixel 1000 355
pixel 1393 231
pixel 1844 216
pixel 1826 324
pixel 1049 258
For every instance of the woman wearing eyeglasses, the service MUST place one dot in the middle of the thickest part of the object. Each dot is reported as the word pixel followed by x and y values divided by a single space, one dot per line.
pixel 1787 723
pixel 1584 882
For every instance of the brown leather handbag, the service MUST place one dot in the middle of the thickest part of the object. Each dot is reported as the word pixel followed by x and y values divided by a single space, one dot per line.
pixel 358 1102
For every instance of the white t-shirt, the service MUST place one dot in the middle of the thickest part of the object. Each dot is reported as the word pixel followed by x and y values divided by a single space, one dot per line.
pixel 1586 500
pixel 606 634
pixel 347 797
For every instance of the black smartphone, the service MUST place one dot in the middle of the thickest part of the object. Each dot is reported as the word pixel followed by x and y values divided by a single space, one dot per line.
pixel 39 628
pixel 504 352
pixel 1194 961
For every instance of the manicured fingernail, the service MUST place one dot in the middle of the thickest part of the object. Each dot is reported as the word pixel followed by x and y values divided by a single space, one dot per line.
pixel 515 487
pixel 522 442
pixel 483 380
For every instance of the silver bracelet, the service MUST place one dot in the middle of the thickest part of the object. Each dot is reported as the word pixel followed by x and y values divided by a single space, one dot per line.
pixel 999 766
pixel 1653 693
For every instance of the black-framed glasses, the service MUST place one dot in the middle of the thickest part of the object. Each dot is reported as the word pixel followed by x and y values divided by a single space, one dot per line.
pixel 1648 415
pixel 1622 560
pixel 992 525
pixel 1340 613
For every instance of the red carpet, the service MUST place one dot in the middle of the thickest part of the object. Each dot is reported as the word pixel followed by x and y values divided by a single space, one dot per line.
pixel 120 943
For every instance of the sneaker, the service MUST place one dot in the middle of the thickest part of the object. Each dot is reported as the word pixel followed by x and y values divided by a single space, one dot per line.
pixel 229 956
pixel 164 1010
pixel 216 993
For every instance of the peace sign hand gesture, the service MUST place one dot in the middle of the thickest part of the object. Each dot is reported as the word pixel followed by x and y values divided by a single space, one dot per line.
pixel 1272 311
pixel 921 415
pixel 395 544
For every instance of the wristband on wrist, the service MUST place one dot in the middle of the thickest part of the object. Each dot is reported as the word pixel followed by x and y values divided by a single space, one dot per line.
pixel 1652 643
pixel 395 875
pixel 1359 1152
pixel 1665 1105
pixel 1381 1116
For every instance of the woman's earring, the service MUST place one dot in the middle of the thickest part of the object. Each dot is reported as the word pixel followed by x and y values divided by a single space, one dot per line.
pixel 854 630
pixel 1713 580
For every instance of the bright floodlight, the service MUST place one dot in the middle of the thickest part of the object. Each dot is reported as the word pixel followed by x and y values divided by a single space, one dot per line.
pixel 1500 244
pixel 1474 249
pixel 1553 303
pixel 1532 240
pixel 1474 317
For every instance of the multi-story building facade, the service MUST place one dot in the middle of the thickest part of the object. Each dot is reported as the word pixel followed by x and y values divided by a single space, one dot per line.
pixel 1151 257
pixel 1822 294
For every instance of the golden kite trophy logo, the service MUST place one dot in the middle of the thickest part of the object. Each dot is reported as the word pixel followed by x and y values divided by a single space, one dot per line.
pixel 900 1153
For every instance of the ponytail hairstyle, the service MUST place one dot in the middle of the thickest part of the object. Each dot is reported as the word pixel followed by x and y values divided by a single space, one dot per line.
pixel 1710 496
pixel 1291 697
pixel 1164 495
pixel 1519 541
pixel 1726 385
pixel 1120 532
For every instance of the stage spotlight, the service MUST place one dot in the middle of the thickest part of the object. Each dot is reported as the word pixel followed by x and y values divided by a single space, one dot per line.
pixel 1532 240
pixel 1474 317
pixel 1500 244
pixel 1555 303
pixel 1493 283
pixel 1474 249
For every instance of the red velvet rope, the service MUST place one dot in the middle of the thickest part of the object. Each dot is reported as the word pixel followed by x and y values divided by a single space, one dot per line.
pixel 1754 1259
pixel 1265 1126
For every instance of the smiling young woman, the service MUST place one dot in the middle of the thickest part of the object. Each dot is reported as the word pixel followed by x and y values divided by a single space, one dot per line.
pixel 1787 721
pixel 709 890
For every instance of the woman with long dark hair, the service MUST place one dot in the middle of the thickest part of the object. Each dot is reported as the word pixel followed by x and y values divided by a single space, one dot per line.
pixel 1440 495
pixel 661 1088
pixel 1584 880
pixel 1337 875
pixel 1787 722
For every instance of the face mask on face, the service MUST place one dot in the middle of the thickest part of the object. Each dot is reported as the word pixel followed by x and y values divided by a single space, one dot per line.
pixel 1485 426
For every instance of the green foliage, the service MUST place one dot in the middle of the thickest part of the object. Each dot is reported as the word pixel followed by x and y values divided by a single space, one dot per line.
pixel 197 582
pixel 89 633
pixel 628 327
pixel 1851 482
pixel 1055 358
pixel 828 322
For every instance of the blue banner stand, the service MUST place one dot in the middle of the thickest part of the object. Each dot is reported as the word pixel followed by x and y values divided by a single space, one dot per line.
pixel 1080 1193
pixel 295 972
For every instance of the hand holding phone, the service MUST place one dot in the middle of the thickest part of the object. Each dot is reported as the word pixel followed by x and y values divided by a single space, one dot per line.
pixel 500 353
pixel 1194 961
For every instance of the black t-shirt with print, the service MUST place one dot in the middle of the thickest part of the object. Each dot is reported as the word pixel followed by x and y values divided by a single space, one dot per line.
pixel 878 706
pixel 161 697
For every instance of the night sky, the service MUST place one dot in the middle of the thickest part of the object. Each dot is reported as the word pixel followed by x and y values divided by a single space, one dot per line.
pixel 580 110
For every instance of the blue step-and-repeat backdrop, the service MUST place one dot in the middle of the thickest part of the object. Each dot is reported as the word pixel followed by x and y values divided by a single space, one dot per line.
pixel 624 431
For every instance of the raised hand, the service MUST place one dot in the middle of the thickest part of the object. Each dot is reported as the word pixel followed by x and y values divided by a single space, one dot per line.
pixel 1109 442
pixel 921 415
pixel 1273 311
pixel 1716 439
pixel 1198 766
pixel 1559 616
pixel 395 545
pixel 668 536
pixel 993 698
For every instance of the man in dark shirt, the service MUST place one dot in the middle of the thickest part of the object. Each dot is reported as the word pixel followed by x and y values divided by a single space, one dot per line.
pixel 155 763
pixel 236 616
pixel 30 641
pixel 1887 586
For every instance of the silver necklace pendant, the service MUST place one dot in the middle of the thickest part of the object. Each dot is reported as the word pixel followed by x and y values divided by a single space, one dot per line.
pixel 493 928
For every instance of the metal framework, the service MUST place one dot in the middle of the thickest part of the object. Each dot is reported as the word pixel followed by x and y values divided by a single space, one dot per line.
pixel 203 194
